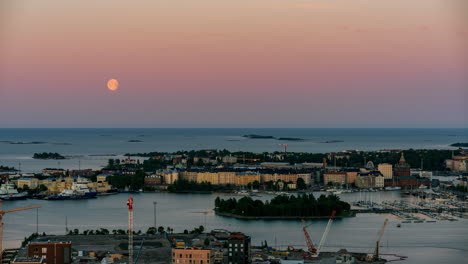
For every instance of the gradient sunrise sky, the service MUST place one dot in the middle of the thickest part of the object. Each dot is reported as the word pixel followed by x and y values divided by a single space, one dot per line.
pixel 234 63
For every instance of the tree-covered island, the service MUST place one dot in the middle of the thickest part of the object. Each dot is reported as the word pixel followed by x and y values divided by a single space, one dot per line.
pixel 47 155
pixel 283 206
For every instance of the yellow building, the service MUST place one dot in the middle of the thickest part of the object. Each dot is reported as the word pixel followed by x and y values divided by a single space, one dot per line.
pixel 192 256
pixel 244 178
pixel 335 177
pixel 32 183
pixel 386 170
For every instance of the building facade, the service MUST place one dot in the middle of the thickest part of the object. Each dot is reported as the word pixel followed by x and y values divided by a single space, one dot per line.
pixel 192 256
pixel 52 252
pixel 386 170
pixel 238 249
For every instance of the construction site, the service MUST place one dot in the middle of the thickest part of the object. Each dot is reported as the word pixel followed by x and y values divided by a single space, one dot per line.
pixel 217 246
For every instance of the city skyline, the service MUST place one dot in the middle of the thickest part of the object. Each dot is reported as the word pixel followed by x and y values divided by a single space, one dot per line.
pixel 257 63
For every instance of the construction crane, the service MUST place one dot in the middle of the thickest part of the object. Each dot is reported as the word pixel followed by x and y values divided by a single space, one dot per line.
pixel 285 147
pixel 375 257
pixel 325 233
pixel 2 213
pixel 310 245
pixel 130 229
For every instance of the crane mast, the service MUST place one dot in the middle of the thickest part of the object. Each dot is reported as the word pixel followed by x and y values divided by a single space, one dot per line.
pixel 310 245
pixel 130 229
pixel 325 233
pixel 379 237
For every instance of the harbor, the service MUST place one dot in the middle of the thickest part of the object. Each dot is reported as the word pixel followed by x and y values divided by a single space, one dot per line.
pixel 356 234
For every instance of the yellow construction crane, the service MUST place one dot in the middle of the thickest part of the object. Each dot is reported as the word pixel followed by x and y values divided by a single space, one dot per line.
pixel 3 212
pixel 375 257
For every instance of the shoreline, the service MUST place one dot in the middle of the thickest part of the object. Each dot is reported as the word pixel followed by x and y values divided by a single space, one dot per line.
pixel 280 217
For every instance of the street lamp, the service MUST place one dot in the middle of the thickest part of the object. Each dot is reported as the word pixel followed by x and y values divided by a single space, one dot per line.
pixel 154 203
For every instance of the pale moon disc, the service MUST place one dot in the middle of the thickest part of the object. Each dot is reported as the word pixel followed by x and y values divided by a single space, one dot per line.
pixel 113 84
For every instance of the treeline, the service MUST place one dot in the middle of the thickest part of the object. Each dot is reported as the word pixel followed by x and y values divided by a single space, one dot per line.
pixel 304 205
pixel 47 155
pixel 133 182
pixel 6 168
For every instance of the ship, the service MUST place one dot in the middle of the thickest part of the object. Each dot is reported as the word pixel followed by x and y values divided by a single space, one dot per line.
pixel 9 192
pixel 79 190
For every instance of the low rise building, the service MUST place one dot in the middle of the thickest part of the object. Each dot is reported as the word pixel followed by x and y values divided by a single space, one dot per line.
pixel 31 182
pixel 52 252
pixel 238 249
pixel 152 180
pixel 335 177
pixel 192 256
pixel 386 170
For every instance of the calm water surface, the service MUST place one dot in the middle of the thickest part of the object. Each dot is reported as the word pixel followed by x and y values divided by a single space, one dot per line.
pixel 82 144
pixel 440 242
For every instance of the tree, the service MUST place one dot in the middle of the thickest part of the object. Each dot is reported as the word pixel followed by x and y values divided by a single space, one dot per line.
pixel 207 242
pixel 301 185
pixel 151 231
pixel 161 229
pixel 42 188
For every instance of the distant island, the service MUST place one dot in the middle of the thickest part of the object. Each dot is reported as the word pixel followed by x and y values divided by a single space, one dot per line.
pixel 26 143
pixel 135 141
pixel 47 155
pixel 257 136
pixel 290 139
pixel 332 141
pixel 284 207
pixel 459 145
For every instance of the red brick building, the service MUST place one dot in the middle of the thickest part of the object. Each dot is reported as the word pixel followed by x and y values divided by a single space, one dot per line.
pixel 153 180
pixel 52 252
pixel 402 168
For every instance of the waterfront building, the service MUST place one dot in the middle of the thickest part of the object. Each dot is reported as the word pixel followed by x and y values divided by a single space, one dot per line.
pixel 457 163
pixel 31 182
pixel 168 176
pixel 386 170
pixel 335 177
pixel 351 175
pixel 151 180
pixel 52 252
pixel 379 181
pixel 238 249
pixel 244 178
pixel 402 169
pixel 192 256
pixel 365 181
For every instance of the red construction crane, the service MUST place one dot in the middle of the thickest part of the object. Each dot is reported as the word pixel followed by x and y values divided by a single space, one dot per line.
pixel 3 212
pixel 130 229
pixel 285 147
pixel 310 245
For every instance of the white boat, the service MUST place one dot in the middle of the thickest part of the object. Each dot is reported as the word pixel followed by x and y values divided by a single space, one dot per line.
pixel 8 191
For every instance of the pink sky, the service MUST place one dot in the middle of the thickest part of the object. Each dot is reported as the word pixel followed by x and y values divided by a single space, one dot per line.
pixel 243 63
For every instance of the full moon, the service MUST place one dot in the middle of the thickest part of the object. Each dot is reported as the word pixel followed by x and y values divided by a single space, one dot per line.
pixel 113 84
